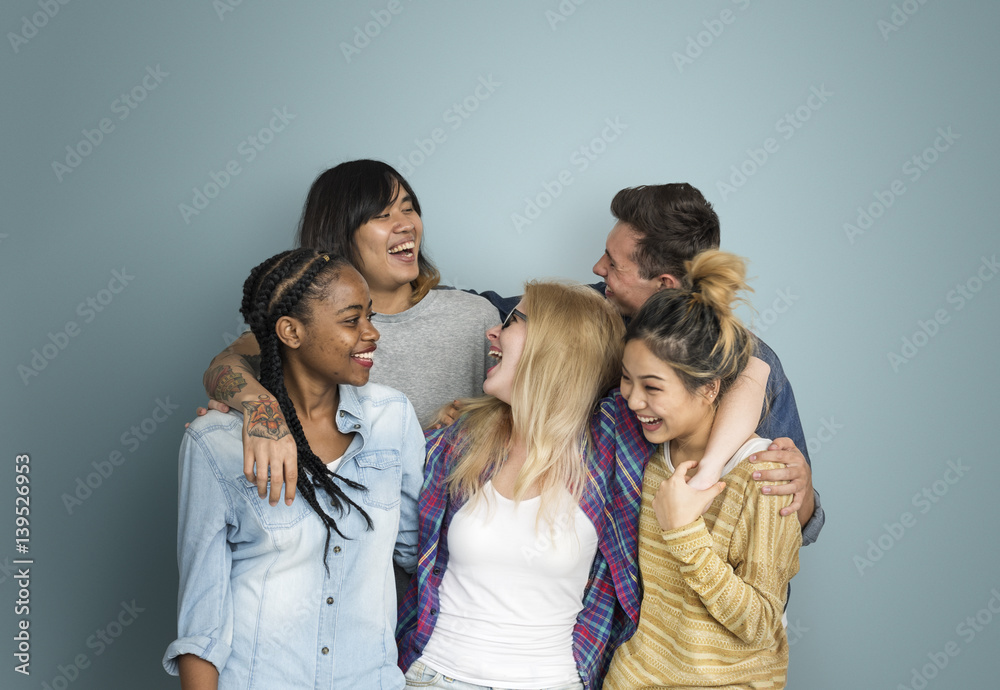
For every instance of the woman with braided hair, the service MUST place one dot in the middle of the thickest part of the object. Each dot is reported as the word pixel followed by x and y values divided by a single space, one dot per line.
pixel 714 563
pixel 302 595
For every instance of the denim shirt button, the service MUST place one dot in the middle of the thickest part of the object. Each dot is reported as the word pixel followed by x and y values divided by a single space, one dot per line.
pixel 329 600
pixel 343 414
pixel 336 549
pixel 357 426
pixel 325 650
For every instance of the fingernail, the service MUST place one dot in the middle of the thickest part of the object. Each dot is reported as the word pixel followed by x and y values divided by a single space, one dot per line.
pixel 756 475
pixel 766 490
pixel 753 458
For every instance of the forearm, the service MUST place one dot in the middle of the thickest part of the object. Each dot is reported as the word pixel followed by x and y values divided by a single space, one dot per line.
pixel 232 376
pixel 752 614
pixel 738 415
pixel 197 674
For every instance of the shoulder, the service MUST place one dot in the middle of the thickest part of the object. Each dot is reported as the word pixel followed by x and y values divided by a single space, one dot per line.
pixel 216 427
pixel 376 399
pixel 439 445
pixel 613 422
pixel 450 299
pixel 388 416
pixel 600 451
pixel 743 469
pixel 215 440
pixel 764 352
pixel 440 441
pixel 603 420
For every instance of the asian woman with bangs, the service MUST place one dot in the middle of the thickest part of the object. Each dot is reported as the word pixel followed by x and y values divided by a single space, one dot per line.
pixel 432 347
pixel 715 563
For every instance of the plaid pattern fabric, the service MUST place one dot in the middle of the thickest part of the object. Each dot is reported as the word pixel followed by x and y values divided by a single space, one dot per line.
pixel 610 500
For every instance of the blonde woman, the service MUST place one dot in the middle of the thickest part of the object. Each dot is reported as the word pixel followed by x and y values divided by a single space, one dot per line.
pixel 514 587
pixel 714 564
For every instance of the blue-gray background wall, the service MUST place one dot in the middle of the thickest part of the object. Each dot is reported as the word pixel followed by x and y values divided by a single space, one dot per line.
pixel 850 150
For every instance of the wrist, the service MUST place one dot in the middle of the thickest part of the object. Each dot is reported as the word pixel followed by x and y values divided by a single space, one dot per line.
pixel 808 507
pixel 252 393
pixel 685 541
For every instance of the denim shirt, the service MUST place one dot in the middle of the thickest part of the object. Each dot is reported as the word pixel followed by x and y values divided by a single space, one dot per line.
pixel 255 599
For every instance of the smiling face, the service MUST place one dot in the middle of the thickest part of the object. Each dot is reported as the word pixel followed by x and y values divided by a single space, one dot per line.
pixel 506 345
pixel 389 244
pixel 666 409
pixel 337 340
pixel 626 288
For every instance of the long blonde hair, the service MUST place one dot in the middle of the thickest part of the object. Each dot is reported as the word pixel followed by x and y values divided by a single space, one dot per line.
pixel 571 356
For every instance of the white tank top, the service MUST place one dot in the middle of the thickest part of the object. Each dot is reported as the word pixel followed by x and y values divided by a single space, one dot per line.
pixel 510 596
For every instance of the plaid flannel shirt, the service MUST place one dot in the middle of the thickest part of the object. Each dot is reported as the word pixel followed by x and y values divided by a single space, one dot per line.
pixel 611 600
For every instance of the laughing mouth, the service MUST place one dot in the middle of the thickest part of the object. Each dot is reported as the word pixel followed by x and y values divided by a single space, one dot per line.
pixel 647 420
pixel 406 247
pixel 495 352
pixel 365 356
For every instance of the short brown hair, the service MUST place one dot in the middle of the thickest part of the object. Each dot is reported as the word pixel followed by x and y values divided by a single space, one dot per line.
pixel 674 223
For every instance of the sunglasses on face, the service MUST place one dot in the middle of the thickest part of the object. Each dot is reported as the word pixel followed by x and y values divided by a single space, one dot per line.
pixel 510 317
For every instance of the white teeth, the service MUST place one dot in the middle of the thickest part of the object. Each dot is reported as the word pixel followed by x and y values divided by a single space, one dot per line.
pixel 363 355
pixel 647 420
pixel 402 247
pixel 495 353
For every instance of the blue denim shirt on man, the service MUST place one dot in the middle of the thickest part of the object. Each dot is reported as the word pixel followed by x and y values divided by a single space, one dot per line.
pixel 255 598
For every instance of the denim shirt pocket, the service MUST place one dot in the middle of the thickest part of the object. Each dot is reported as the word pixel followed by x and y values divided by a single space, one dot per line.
pixel 381 474
pixel 277 517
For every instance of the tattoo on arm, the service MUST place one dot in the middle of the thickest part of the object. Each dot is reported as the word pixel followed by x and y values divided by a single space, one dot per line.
pixel 264 418
pixel 252 363
pixel 225 383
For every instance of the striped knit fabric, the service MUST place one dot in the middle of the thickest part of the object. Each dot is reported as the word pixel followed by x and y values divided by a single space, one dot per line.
pixel 714 590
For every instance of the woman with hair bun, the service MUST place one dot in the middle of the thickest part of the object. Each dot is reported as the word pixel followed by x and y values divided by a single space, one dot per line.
pixel 714 564
pixel 302 595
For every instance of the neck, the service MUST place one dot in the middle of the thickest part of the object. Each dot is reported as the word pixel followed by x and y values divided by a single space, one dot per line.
pixel 313 398
pixel 391 300
pixel 692 445
pixel 518 449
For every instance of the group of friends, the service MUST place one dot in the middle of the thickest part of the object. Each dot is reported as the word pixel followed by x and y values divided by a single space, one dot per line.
pixel 609 489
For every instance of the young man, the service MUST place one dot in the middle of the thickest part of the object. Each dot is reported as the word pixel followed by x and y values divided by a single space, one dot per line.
pixel 659 228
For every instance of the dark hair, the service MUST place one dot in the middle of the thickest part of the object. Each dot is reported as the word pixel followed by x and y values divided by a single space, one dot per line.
pixel 674 223
pixel 694 330
pixel 346 197
pixel 284 285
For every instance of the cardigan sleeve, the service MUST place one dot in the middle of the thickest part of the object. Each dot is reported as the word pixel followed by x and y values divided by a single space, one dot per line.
pixel 747 592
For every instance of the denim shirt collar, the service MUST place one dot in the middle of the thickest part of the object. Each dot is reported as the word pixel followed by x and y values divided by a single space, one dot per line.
pixel 350 413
